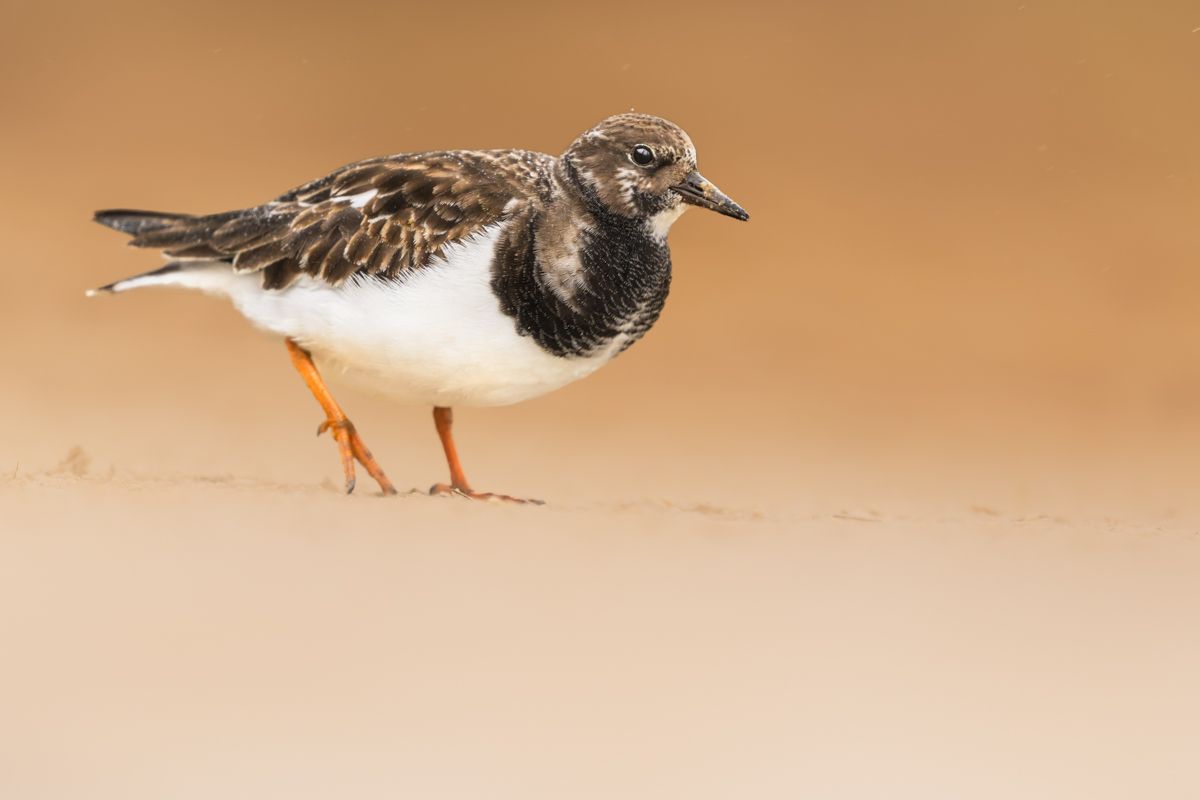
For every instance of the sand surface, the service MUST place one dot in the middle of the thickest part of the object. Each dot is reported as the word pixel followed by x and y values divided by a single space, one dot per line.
pixel 897 500
pixel 199 637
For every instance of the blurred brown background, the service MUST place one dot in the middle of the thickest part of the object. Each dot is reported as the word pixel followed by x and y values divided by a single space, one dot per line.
pixel 967 300
pixel 973 226
pixel 973 232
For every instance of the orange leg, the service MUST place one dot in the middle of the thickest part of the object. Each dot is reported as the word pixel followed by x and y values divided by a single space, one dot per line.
pixel 350 446
pixel 443 419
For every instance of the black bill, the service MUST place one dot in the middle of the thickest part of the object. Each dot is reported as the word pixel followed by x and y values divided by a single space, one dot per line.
pixel 699 191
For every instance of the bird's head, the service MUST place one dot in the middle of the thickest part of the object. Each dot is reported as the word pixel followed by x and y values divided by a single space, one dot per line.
pixel 643 167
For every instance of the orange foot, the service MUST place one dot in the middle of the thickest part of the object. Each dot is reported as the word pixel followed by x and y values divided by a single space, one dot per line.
pixel 351 448
pixel 443 419
pixel 449 490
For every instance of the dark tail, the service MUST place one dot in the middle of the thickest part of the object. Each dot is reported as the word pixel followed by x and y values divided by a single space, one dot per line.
pixel 135 222
pixel 181 236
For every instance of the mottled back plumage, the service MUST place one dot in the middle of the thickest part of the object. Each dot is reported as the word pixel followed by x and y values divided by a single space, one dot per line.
pixel 377 217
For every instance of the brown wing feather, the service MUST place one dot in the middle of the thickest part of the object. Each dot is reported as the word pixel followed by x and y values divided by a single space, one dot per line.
pixel 421 204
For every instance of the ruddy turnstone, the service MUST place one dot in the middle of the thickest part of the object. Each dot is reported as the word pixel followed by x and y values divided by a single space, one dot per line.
pixel 462 277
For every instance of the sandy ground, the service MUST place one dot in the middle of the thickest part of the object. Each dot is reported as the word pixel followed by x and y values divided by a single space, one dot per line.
pixel 224 637
pixel 898 500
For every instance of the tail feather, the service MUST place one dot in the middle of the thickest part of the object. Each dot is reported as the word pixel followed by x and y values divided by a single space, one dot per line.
pixel 146 278
pixel 183 237
pixel 214 277
pixel 135 222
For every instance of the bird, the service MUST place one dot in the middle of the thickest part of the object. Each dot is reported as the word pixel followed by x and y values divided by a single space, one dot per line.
pixel 448 278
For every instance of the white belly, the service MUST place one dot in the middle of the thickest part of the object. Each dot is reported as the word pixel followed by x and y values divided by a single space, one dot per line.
pixel 437 337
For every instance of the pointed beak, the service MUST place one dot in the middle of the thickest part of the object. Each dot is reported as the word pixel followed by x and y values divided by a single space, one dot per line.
pixel 698 191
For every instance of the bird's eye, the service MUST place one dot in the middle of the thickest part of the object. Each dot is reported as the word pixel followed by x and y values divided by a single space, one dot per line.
pixel 642 156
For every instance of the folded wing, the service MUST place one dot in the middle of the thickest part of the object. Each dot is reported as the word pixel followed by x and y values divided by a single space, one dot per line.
pixel 378 217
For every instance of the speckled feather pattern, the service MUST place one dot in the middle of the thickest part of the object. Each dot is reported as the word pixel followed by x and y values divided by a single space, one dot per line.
pixel 375 217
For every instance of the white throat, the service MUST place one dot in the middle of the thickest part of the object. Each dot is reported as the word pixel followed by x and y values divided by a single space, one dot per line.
pixel 661 222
